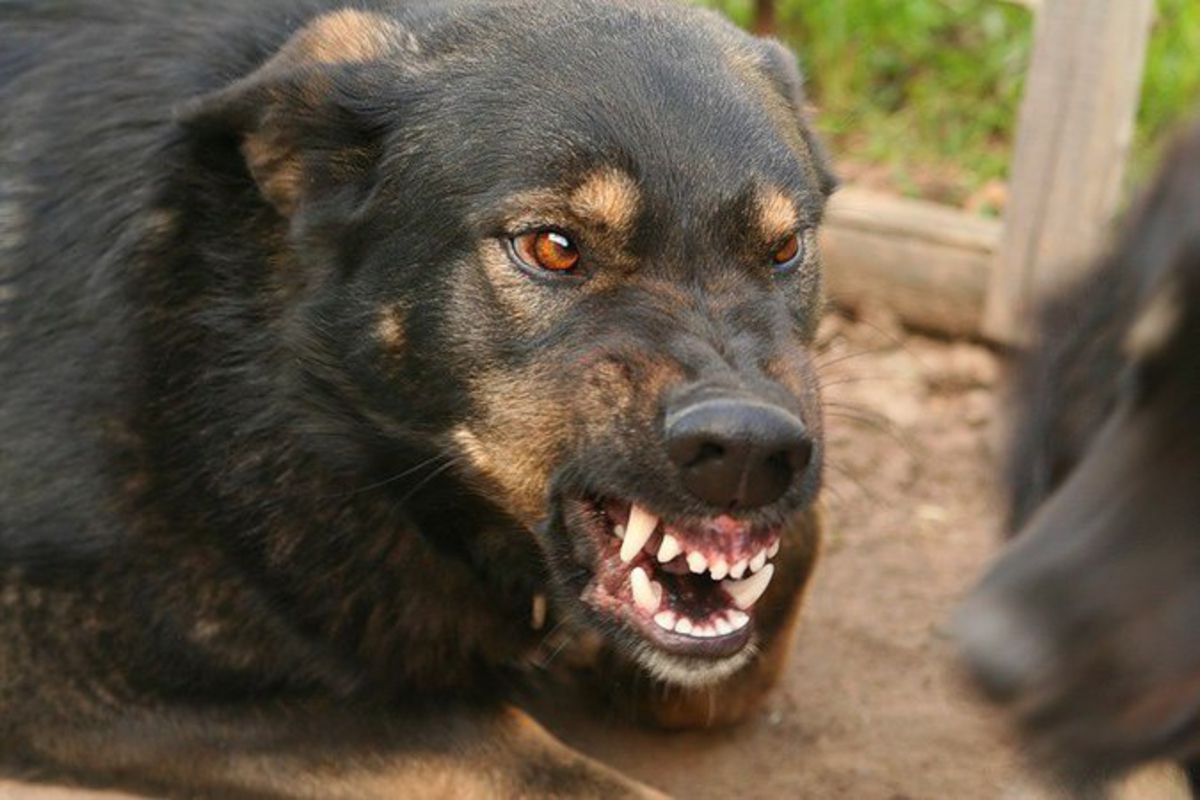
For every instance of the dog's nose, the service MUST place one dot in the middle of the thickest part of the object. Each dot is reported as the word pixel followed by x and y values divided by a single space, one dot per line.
pixel 1004 652
pixel 737 453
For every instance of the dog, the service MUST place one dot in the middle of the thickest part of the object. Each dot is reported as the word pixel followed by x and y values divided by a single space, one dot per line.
pixel 1086 628
pixel 349 349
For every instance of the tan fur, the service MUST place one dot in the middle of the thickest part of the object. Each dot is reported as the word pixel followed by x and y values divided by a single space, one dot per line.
pixel 777 215
pixel 1155 325
pixel 608 198
pixel 345 37
pixel 277 170
pixel 390 328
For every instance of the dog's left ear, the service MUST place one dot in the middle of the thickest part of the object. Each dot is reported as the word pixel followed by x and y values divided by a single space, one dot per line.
pixel 779 65
pixel 308 121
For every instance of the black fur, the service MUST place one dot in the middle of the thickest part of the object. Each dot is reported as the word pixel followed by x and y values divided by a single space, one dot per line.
pixel 1088 624
pixel 219 489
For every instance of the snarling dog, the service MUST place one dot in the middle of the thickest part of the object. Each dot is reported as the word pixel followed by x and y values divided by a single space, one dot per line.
pixel 347 351
pixel 1089 626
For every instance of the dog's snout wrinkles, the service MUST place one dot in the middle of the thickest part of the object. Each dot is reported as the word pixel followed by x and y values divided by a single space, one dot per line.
pixel 737 453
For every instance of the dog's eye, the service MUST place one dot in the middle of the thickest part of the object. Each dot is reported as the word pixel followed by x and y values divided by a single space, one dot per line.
pixel 546 249
pixel 788 254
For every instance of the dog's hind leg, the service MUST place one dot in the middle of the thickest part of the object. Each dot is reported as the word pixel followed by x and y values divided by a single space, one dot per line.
pixel 331 754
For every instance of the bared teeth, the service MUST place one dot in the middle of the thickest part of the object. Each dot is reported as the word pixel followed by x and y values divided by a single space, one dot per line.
pixel 758 561
pixel 745 593
pixel 669 548
pixel 718 568
pixel 739 569
pixel 696 562
pixel 641 526
pixel 719 624
pixel 646 593
pixel 773 550
pixel 666 620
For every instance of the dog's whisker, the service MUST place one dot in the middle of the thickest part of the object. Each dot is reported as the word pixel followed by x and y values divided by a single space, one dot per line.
pixel 867 492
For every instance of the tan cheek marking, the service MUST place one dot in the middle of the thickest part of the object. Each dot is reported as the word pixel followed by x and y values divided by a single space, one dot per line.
pixel 608 197
pixel 514 449
pixel 776 214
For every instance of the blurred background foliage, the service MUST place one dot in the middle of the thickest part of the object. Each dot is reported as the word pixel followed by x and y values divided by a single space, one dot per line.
pixel 920 96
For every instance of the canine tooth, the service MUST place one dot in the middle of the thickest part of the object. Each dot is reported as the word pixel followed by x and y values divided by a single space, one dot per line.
pixel 737 619
pixel 773 550
pixel 643 590
pixel 739 569
pixel 697 563
pixel 757 562
pixel 619 531
pixel 684 625
pixel 718 568
pixel 669 548
pixel 746 593
pixel 722 625
pixel 665 620
pixel 641 525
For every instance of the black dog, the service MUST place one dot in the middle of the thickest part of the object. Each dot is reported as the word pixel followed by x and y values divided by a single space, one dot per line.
pixel 1089 626
pixel 346 351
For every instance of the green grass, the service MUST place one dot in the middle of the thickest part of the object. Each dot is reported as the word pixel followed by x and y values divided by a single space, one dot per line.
pixel 926 91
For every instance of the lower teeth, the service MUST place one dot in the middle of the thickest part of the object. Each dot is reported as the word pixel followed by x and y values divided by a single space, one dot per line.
pixel 719 624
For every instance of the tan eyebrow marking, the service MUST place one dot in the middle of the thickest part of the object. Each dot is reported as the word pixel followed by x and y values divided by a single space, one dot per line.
pixel 777 216
pixel 609 197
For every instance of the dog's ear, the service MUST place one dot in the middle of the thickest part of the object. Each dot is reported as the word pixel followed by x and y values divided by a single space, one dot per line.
pixel 779 65
pixel 307 122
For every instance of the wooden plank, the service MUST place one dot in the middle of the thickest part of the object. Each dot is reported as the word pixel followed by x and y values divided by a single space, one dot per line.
pixel 927 262
pixel 764 17
pixel 1074 129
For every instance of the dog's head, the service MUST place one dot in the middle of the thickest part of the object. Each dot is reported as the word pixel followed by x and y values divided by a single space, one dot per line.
pixel 1088 627
pixel 570 247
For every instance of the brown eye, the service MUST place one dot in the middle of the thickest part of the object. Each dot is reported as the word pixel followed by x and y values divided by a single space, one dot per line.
pixel 546 249
pixel 787 253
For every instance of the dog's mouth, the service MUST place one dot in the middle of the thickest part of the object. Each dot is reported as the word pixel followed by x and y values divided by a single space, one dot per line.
pixel 688 588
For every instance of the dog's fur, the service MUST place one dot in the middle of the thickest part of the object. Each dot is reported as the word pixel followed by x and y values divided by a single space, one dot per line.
pixel 285 432
pixel 1088 626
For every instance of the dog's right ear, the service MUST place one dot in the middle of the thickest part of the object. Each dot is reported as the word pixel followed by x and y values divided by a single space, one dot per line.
pixel 307 121
pixel 779 66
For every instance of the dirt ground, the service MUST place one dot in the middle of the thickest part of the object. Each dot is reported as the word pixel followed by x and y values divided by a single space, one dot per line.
pixel 871 706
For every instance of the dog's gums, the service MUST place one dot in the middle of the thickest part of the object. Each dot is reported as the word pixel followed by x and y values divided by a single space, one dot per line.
pixel 688 588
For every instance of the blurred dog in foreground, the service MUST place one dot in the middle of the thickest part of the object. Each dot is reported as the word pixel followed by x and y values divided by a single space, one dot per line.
pixel 1088 626
pixel 349 349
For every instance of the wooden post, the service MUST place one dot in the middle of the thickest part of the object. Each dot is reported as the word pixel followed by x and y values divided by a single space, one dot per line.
pixel 764 17
pixel 1073 134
